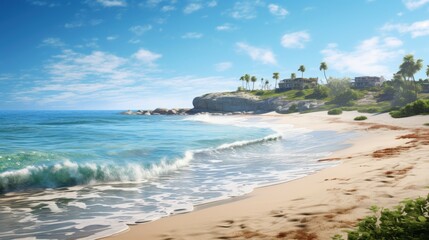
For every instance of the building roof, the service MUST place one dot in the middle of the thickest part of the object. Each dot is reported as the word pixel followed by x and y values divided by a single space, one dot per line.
pixel 300 79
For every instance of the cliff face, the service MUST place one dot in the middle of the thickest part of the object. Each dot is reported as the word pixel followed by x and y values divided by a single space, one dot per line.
pixel 244 102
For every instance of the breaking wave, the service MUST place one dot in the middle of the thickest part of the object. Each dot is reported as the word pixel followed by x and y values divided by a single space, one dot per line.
pixel 70 173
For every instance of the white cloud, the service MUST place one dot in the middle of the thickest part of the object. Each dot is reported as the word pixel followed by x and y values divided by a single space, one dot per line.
pixel 392 42
pixel 225 27
pixel 192 7
pixel 41 3
pixel 295 39
pixel 277 10
pixel 245 9
pixel 88 78
pixel 134 41
pixel 139 30
pixel 370 57
pixel 52 42
pixel 81 21
pixel 112 38
pixel 192 35
pixel 152 3
pixel 168 8
pixel 414 4
pixel 147 56
pixel 73 25
pixel 112 3
pixel 95 22
pixel 101 80
pixel 212 4
pixel 416 29
pixel 262 55
pixel 223 66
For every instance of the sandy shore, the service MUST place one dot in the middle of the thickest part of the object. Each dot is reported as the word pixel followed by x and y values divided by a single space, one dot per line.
pixel 387 162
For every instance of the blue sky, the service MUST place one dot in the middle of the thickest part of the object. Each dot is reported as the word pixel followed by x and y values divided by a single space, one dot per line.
pixel 142 54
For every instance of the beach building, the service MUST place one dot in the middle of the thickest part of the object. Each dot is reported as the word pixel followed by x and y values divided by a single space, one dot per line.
pixel 367 82
pixel 297 83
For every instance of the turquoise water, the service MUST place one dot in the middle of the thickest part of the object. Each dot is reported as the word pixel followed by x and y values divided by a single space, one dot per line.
pixel 86 174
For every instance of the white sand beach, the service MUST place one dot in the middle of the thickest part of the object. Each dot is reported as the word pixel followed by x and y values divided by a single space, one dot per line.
pixel 387 162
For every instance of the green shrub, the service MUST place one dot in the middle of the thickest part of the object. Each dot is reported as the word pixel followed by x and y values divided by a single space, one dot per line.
pixel 337 86
pixel 420 106
pixel 399 91
pixel 347 109
pixel 360 118
pixel 320 92
pixel 259 93
pixel 388 93
pixel 409 220
pixel 346 97
pixel 299 93
pixel 426 124
pixel 293 108
pixel 241 89
pixel 370 110
pixel 335 111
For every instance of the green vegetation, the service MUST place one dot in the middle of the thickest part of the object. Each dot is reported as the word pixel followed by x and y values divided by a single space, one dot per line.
pixel 427 71
pixel 399 92
pixel 335 111
pixel 323 67
pixel 426 124
pixel 293 108
pixel 276 76
pixel 340 93
pixel 253 80
pixel 290 95
pixel 302 70
pixel 410 67
pixel 420 106
pixel 409 220
pixel 370 110
pixel 320 92
pixel 360 118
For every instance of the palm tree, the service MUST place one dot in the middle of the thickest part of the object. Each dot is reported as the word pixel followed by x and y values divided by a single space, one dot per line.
pixel 427 71
pixel 417 67
pixel 292 75
pixel 247 79
pixel 253 79
pixel 323 67
pixel 266 84
pixel 302 70
pixel 276 76
pixel 409 67
pixel 242 81
pixel 262 83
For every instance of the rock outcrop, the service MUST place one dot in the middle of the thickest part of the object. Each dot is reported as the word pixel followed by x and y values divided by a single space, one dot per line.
pixel 234 103
pixel 159 111
pixel 245 102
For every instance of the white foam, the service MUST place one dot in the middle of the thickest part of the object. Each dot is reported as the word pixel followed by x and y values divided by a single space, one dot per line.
pixel 77 204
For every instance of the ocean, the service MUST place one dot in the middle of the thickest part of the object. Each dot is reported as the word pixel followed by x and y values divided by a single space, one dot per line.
pixel 87 174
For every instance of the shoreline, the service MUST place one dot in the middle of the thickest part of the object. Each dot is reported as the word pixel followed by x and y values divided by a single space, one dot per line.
pixel 273 211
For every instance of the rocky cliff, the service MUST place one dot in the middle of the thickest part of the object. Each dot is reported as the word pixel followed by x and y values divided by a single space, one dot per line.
pixel 245 102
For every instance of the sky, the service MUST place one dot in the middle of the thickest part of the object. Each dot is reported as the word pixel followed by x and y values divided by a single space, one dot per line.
pixel 143 54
